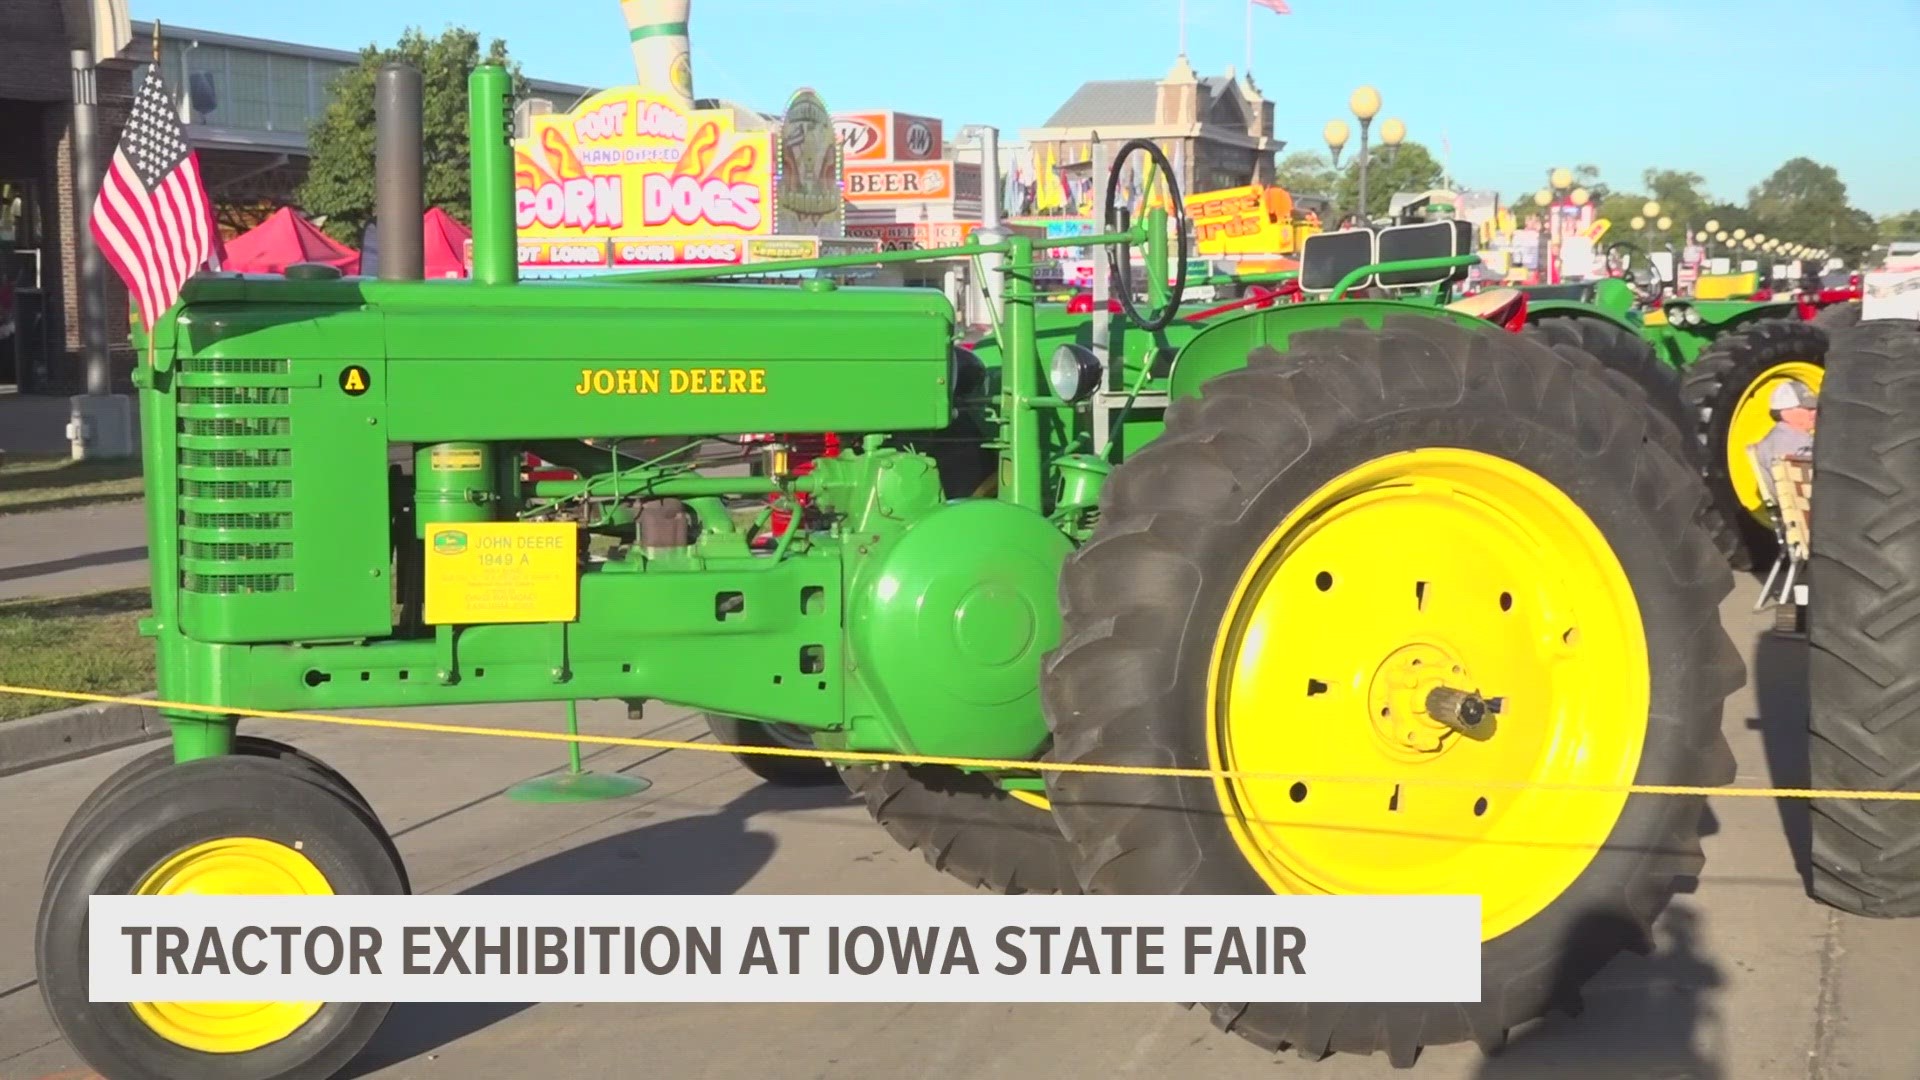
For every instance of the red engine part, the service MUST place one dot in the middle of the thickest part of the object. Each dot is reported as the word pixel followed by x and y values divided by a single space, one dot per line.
pixel 1082 304
pixel 803 451
pixel 533 469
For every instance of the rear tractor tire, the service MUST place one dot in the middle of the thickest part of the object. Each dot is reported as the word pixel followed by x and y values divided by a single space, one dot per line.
pixel 1629 365
pixel 1279 581
pixel 776 769
pixel 1864 622
pixel 1835 318
pixel 967 826
pixel 1726 393
pixel 231 825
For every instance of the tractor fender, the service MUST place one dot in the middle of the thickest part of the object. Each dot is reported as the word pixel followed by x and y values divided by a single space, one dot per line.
pixel 1224 344
pixel 1576 310
pixel 947 626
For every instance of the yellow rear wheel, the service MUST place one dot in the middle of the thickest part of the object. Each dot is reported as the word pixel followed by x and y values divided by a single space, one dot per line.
pixel 1430 570
pixel 1726 392
pixel 1753 418
pixel 1422 579
pixel 232 866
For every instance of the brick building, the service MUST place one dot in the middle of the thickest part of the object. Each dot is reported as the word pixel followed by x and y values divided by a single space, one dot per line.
pixel 39 319
pixel 246 104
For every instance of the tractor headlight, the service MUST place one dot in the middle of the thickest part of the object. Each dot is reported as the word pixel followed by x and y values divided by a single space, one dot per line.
pixel 1074 372
pixel 1693 316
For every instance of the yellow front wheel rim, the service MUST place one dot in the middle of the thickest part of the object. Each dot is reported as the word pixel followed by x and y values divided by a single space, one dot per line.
pixel 1752 419
pixel 232 866
pixel 1429 569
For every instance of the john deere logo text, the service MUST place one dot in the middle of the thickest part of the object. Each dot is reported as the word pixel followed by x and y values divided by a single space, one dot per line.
pixel 450 543
pixel 672 381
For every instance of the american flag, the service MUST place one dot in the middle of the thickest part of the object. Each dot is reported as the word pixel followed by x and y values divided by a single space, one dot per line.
pixel 1279 6
pixel 152 219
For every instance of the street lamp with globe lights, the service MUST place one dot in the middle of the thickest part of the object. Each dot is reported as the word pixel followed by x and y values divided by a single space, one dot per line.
pixel 1392 133
pixel 1365 103
pixel 1336 135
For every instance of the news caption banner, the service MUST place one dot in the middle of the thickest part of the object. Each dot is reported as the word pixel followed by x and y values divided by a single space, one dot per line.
pixel 763 948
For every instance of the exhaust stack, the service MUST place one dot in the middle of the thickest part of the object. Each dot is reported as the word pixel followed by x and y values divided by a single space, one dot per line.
pixel 658 29
pixel 399 199
pixel 496 257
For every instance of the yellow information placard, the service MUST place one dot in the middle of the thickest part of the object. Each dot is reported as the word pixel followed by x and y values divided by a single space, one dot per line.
pixel 502 572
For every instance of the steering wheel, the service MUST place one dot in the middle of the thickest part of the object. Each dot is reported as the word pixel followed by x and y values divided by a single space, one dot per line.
pixel 1120 256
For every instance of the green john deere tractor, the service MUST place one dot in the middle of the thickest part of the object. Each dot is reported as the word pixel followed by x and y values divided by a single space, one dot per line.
pixel 1336 539
pixel 1712 366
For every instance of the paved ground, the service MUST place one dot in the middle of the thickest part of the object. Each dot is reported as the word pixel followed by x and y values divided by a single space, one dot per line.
pixel 1753 981
pixel 63 552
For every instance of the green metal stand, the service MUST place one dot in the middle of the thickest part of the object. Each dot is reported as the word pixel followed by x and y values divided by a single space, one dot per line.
pixel 576 784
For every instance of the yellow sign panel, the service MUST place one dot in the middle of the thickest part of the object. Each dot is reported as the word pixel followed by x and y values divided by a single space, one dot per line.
pixel 1725 286
pixel 502 572
pixel 630 165
pixel 456 459
pixel 1254 220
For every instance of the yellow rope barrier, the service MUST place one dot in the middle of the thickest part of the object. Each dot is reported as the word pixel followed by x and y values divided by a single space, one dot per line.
pixel 1001 764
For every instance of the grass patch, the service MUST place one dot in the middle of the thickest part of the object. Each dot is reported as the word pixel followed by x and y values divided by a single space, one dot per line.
pixel 90 644
pixel 36 482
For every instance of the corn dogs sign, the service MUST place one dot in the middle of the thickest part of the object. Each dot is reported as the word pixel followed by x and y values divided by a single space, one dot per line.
pixel 630 167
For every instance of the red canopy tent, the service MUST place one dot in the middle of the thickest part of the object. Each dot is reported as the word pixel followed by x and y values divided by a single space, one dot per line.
pixel 283 239
pixel 446 245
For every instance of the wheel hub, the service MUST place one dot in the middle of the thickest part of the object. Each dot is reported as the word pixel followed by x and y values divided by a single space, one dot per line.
pixel 1402 696
pixel 1510 656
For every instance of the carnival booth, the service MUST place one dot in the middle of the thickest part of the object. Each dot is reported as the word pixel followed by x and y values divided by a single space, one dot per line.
pixel 448 246
pixel 286 238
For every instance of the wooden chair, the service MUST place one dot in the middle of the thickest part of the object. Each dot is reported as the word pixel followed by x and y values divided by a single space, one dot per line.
pixel 1787 490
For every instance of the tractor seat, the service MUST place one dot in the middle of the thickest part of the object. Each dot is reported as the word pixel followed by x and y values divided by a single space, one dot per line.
pixel 1493 305
pixel 1485 304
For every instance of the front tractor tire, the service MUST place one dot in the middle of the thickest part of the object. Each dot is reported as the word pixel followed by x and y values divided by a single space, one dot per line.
pixel 1726 393
pixel 1279 583
pixel 1864 624
pixel 232 825
pixel 773 768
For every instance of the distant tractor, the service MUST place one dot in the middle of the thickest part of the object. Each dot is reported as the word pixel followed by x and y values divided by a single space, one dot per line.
pixel 1283 546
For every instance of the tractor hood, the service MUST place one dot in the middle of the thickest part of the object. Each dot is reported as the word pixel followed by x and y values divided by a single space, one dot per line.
pixel 570 358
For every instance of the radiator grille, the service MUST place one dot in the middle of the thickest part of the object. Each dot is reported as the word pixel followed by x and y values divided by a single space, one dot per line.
pixel 241 453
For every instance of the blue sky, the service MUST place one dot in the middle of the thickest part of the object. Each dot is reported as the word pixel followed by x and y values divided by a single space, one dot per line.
pixel 1726 88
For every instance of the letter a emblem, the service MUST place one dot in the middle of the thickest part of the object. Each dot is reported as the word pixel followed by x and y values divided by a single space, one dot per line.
pixel 354 380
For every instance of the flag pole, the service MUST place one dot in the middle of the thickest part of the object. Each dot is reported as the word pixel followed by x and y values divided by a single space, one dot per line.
pixel 1183 27
pixel 1249 39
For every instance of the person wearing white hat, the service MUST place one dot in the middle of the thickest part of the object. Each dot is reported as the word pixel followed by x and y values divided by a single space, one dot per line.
pixel 1794 407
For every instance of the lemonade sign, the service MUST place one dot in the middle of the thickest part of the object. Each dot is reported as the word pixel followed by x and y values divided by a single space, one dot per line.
pixel 606 184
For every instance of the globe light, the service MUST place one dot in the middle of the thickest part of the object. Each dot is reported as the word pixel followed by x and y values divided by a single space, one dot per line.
pixel 1721 236
pixel 1713 225
pixel 1392 132
pixel 1336 134
pixel 1543 197
pixel 1664 223
pixel 1562 178
pixel 1739 234
pixel 1637 222
pixel 1580 196
pixel 1365 102
pixel 1651 209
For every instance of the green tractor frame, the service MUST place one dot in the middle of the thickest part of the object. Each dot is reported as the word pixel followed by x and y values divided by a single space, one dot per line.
pixel 1355 538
